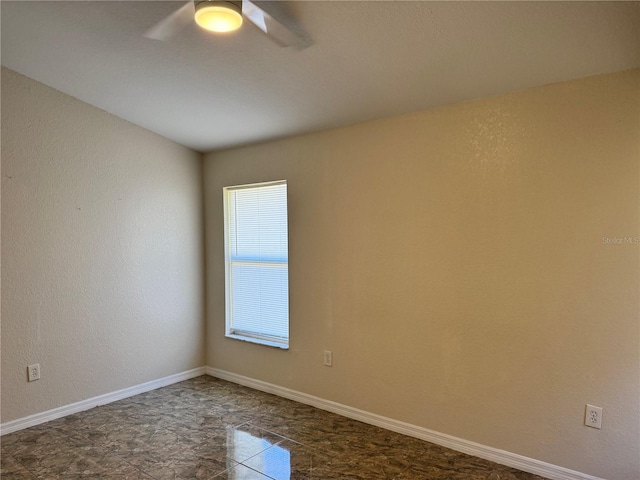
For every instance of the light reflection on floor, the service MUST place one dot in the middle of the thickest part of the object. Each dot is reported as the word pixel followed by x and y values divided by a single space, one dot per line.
pixel 273 460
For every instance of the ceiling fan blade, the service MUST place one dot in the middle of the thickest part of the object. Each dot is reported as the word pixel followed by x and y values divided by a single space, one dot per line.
pixel 284 33
pixel 169 26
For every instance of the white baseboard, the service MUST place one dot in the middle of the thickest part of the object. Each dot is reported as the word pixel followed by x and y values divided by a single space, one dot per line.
pixel 547 470
pixel 42 417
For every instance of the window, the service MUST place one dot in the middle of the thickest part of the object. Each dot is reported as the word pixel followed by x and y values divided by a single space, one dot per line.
pixel 257 263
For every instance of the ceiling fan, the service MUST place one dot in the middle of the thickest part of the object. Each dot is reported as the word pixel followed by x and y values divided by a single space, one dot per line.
pixel 226 16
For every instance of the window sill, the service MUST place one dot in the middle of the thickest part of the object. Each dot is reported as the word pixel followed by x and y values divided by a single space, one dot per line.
pixel 259 341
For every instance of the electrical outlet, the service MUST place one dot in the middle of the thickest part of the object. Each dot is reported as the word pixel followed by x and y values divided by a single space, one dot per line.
pixel 328 358
pixel 33 372
pixel 593 417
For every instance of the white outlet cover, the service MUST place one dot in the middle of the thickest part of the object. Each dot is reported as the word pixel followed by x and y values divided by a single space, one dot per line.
pixel 33 372
pixel 328 358
pixel 593 416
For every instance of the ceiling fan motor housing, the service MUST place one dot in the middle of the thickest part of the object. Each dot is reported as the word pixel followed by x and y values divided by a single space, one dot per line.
pixel 218 16
pixel 235 5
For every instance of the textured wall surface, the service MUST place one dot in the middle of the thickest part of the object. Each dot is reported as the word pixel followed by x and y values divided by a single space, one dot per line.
pixel 102 252
pixel 461 264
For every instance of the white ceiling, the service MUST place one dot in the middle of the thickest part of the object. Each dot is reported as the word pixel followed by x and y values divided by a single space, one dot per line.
pixel 369 60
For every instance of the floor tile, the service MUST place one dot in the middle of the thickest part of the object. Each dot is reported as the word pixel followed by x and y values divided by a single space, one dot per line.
pixel 285 461
pixel 11 469
pixel 62 461
pixel 207 428
pixel 41 438
pixel 175 459
pixel 241 472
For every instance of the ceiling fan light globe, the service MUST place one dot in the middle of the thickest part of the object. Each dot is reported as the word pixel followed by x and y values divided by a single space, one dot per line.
pixel 218 16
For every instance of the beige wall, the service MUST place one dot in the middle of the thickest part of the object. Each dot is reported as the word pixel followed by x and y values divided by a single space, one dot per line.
pixel 102 252
pixel 453 261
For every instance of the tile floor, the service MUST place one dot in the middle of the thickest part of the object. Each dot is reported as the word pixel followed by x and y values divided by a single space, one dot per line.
pixel 208 428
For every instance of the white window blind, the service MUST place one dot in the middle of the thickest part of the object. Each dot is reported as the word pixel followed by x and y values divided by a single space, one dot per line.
pixel 257 262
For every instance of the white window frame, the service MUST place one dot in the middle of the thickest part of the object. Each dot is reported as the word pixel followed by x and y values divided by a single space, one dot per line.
pixel 230 331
